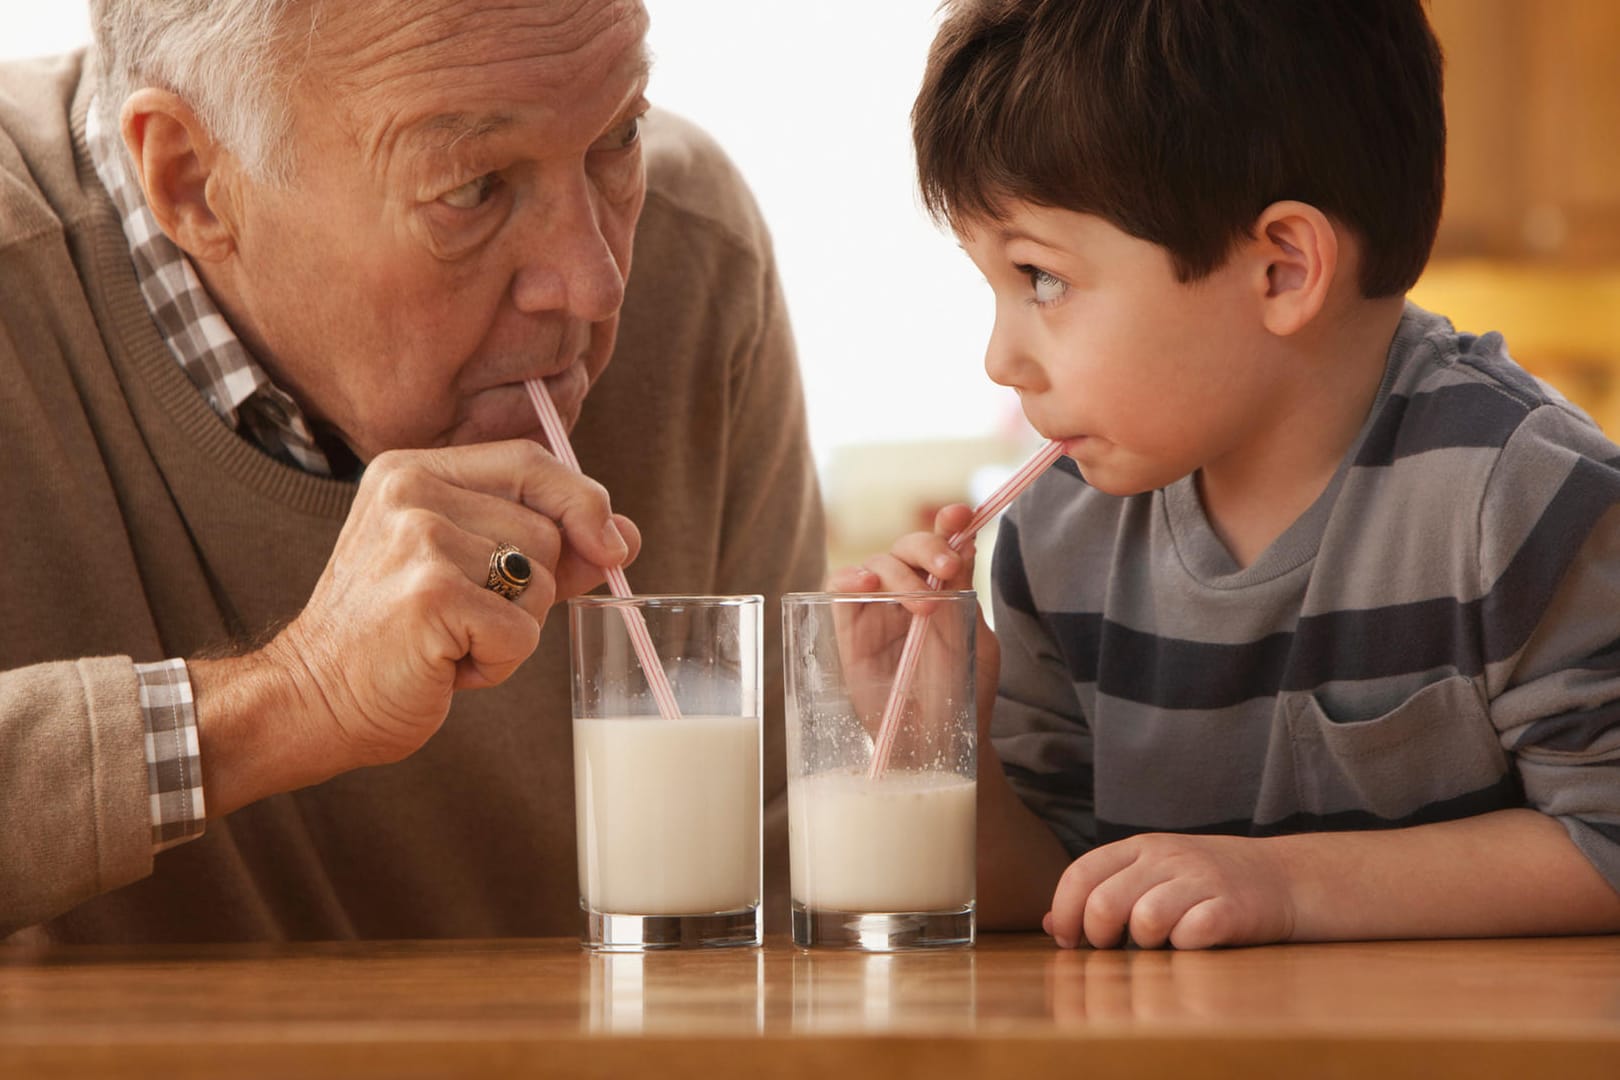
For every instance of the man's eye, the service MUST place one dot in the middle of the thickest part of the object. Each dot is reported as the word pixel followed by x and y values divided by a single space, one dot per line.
pixel 471 195
pixel 625 135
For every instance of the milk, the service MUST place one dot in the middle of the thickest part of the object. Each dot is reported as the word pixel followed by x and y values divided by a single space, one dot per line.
pixel 901 843
pixel 668 814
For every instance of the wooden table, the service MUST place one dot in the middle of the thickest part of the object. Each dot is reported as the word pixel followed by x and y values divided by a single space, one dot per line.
pixel 1012 1007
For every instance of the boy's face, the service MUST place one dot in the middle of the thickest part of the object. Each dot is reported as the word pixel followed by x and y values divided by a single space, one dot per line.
pixel 1145 378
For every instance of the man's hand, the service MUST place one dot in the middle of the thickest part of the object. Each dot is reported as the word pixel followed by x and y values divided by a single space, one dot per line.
pixel 400 618
pixel 1192 892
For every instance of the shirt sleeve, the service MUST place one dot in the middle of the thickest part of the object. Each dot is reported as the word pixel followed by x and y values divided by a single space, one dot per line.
pixel 1550 624
pixel 173 762
pixel 1039 729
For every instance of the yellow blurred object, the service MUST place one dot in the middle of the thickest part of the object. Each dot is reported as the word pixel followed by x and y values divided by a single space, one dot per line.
pixel 1561 324
pixel 877 492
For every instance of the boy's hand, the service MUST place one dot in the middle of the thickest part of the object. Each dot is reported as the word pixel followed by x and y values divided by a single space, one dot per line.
pixel 1191 892
pixel 913 557
pixel 906 568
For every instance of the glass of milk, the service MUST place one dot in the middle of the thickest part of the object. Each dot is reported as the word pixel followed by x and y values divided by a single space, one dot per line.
pixel 667 809
pixel 881 858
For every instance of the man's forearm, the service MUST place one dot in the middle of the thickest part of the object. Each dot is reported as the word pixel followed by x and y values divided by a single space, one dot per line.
pixel 1508 873
pixel 253 733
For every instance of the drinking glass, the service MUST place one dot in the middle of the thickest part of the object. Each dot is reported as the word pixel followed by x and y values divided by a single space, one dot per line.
pixel 881 854
pixel 668 806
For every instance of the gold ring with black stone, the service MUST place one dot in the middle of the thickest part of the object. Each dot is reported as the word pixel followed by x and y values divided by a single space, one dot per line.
pixel 509 572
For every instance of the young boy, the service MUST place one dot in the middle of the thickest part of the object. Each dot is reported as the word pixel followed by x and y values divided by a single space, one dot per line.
pixel 1315 632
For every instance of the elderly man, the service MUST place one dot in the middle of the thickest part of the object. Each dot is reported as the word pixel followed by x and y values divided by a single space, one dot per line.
pixel 273 274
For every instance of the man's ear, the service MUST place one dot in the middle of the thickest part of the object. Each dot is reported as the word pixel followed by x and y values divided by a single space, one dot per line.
pixel 179 164
pixel 1298 250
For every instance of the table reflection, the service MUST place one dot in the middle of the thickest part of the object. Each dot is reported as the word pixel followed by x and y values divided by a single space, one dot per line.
pixel 1357 983
pixel 781 988
pixel 631 993
pixel 835 991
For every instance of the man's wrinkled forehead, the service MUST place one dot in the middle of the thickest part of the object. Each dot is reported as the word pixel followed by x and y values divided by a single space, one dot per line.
pixel 433 58
pixel 428 34
pixel 444 131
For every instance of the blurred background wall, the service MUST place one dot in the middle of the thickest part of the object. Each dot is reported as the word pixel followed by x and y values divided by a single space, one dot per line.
pixel 811 100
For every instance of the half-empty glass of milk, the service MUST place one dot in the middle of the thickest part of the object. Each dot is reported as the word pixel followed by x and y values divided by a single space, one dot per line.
pixel 667 800
pixel 881 853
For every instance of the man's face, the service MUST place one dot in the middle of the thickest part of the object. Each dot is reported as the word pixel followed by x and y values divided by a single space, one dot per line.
pixel 468 179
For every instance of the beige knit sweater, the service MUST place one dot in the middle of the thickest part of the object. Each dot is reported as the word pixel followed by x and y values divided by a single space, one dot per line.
pixel 135 526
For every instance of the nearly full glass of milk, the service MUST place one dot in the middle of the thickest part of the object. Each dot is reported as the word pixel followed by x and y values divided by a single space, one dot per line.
pixel 667 792
pixel 881 852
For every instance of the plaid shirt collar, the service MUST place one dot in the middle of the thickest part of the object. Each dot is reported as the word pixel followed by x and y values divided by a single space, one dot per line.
pixel 208 350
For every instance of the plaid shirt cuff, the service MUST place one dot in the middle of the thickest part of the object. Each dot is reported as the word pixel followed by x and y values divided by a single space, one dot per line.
pixel 173 765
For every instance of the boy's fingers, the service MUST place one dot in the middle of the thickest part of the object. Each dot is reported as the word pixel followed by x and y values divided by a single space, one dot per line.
pixel 853 579
pixel 1116 904
pixel 1065 921
pixel 895 575
pixel 1159 910
pixel 929 553
pixel 1078 913
pixel 952 519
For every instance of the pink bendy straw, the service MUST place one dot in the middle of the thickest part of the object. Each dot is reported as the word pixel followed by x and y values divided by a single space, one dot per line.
pixel 657 680
pixel 912 652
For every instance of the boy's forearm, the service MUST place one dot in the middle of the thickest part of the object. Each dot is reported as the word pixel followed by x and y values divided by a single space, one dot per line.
pixel 1020 858
pixel 1508 873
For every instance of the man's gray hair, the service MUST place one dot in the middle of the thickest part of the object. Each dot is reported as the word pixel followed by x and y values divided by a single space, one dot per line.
pixel 227 58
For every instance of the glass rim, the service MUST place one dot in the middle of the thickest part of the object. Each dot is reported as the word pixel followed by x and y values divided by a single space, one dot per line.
pixel 655 600
pixel 826 597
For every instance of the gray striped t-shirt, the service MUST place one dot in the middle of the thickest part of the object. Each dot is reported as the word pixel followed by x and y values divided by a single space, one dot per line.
pixel 1437 636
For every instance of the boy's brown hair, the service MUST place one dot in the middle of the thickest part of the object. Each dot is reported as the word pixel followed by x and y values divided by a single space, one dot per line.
pixel 1179 121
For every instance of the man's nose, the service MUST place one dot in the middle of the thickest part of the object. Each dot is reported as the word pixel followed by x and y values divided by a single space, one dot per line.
pixel 567 261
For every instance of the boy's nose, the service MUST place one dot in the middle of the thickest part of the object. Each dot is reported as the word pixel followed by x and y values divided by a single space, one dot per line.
pixel 1004 360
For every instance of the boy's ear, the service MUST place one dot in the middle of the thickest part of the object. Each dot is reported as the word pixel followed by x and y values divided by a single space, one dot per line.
pixel 1299 251
pixel 178 165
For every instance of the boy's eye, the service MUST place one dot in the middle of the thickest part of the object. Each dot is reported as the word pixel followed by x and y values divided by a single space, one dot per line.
pixel 471 195
pixel 1048 288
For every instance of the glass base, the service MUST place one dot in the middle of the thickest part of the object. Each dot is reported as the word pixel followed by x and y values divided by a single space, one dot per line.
pixel 881 931
pixel 638 933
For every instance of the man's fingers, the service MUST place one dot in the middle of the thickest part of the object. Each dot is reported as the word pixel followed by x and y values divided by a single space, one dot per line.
pixel 576 576
pixel 465 529
pixel 517 471
pixel 536 538
pixel 497 640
